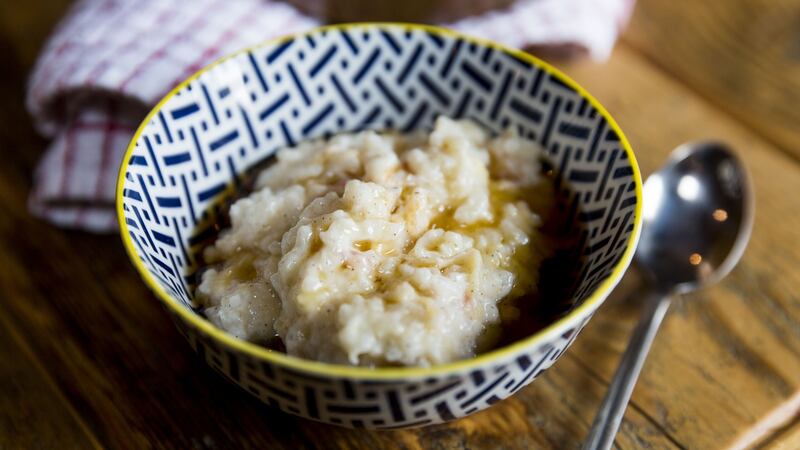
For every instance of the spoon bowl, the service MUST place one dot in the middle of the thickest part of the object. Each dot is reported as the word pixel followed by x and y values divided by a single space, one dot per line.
pixel 697 218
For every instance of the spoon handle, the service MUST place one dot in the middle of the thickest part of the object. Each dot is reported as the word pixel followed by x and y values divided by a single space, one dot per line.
pixel 606 423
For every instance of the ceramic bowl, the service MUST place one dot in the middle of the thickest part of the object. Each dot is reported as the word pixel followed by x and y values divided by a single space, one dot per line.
pixel 196 146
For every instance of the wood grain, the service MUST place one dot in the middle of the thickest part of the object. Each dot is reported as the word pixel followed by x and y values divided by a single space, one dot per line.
pixel 728 355
pixel 742 55
pixel 33 414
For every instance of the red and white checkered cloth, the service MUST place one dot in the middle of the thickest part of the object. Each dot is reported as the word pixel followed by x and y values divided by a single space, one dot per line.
pixel 109 61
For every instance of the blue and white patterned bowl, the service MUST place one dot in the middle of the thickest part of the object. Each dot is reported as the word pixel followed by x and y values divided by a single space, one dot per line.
pixel 193 149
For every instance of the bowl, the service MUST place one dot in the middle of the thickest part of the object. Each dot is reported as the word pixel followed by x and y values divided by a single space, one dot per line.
pixel 197 145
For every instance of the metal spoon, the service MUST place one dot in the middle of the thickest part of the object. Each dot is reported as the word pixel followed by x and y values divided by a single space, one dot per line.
pixel 697 217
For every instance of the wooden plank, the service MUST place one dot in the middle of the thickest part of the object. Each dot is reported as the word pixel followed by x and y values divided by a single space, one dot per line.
pixel 743 55
pixel 33 414
pixel 33 411
pixel 726 357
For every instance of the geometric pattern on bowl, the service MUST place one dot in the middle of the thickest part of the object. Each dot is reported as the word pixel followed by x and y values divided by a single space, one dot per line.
pixel 196 146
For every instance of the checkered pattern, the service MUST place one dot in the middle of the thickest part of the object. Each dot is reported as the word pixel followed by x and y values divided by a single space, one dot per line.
pixel 110 60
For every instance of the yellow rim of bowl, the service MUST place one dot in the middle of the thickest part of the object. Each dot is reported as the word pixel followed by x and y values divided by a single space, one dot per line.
pixel 325 369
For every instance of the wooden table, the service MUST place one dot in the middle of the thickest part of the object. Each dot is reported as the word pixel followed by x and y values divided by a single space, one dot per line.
pixel 87 364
